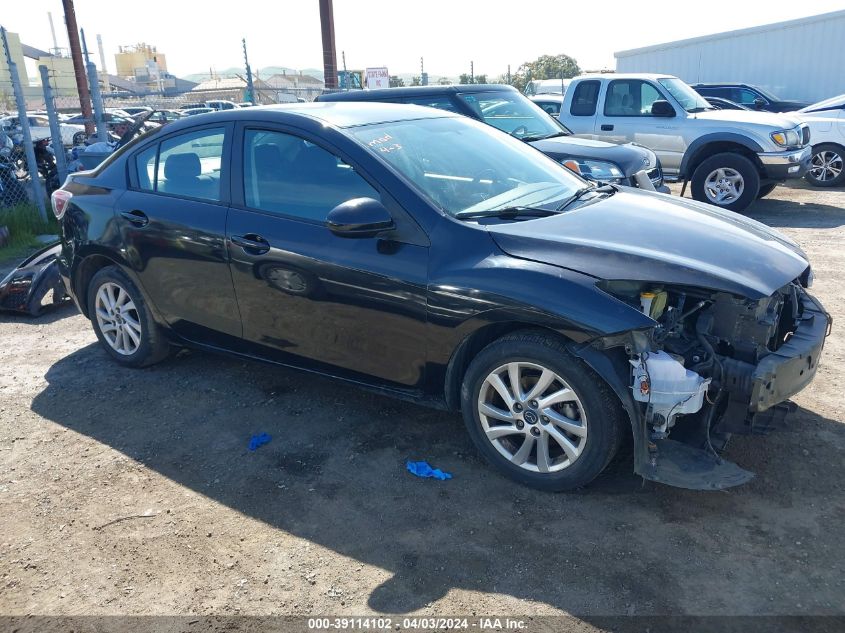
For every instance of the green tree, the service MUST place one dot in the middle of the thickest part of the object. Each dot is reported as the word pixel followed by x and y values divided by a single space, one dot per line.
pixel 396 82
pixel 466 79
pixel 545 67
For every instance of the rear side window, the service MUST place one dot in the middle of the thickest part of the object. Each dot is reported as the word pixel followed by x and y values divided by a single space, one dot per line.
pixel 440 102
pixel 585 98
pixel 145 164
pixel 287 175
pixel 189 165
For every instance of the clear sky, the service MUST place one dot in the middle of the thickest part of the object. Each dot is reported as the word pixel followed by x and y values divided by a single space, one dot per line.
pixel 449 34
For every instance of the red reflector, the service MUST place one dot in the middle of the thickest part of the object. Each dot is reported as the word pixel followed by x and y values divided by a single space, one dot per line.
pixel 60 200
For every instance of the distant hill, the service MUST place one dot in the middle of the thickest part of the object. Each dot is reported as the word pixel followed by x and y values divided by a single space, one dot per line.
pixel 262 73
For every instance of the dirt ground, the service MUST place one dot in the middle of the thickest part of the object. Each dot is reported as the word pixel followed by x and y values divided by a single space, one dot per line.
pixel 325 520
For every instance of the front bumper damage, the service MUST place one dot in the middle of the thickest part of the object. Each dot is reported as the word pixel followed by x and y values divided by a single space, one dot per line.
pixel 752 401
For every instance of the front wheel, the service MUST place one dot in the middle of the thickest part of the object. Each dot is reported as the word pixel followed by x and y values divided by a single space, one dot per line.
pixel 826 166
pixel 765 190
pixel 538 414
pixel 122 321
pixel 728 180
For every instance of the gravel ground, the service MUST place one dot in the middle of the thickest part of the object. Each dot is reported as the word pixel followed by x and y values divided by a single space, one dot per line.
pixel 133 492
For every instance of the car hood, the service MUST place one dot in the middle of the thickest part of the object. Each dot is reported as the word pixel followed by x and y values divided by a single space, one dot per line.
pixel 643 236
pixel 774 120
pixel 631 158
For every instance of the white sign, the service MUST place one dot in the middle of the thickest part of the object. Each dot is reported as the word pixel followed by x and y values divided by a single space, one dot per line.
pixel 378 78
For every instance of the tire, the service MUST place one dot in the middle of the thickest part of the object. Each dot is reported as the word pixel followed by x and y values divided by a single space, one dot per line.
pixel 826 166
pixel 765 190
pixel 129 335
pixel 738 176
pixel 592 410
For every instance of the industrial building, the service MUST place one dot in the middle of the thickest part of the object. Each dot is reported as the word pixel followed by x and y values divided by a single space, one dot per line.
pixel 799 59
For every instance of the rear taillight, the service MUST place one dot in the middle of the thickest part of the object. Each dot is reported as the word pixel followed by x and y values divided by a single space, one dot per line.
pixel 60 199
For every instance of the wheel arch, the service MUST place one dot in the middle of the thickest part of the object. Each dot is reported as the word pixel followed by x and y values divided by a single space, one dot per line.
pixel 713 144
pixel 90 264
pixel 472 344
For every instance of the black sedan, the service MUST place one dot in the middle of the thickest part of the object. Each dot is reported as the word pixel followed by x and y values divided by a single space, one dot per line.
pixel 429 256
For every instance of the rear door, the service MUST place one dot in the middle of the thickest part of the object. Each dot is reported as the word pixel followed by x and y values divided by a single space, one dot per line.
pixel 581 103
pixel 172 222
pixel 626 117
pixel 307 296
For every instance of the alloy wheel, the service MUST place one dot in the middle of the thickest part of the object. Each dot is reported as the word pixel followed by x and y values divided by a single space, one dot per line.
pixel 532 417
pixel 826 166
pixel 724 185
pixel 118 319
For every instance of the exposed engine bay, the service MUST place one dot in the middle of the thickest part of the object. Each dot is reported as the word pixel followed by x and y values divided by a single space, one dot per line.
pixel 714 365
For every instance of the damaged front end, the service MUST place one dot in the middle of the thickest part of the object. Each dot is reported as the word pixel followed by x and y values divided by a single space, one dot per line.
pixel 713 365
pixel 35 285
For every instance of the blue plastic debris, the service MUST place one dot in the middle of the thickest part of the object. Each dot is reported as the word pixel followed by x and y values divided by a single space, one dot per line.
pixel 258 440
pixel 422 469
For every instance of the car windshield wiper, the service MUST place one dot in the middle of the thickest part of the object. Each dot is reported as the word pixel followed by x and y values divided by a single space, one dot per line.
pixel 506 212
pixel 609 189
pixel 543 137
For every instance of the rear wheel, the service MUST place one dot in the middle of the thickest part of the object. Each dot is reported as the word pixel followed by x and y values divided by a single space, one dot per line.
pixel 826 166
pixel 727 180
pixel 122 321
pixel 538 414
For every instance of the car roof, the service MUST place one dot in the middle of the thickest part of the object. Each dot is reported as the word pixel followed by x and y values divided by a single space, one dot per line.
pixel 547 96
pixel 723 86
pixel 611 76
pixel 411 91
pixel 340 115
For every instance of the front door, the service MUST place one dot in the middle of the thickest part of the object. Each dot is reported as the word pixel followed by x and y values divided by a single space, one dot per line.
pixel 307 296
pixel 172 222
pixel 626 117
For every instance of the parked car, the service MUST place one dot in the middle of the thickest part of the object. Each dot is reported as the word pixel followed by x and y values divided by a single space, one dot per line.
pixel 195 111
pixel 164 116
pixel 725 104
pixel 220 104
pixel 136 110
pixel 428 256
pixel 754 97
pixel 730 157
pixel 826 120
pixel 549 103
pixel 546 86
pixel 504 108
pixel 39 128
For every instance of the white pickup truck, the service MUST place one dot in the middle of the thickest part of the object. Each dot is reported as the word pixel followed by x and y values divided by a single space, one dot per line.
pixel 730 157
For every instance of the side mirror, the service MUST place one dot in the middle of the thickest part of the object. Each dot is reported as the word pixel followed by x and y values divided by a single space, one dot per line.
pixel 662 108
pixel 759 103
pixel 359 217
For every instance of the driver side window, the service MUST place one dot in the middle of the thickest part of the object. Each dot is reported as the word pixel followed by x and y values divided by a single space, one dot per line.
pixel 287 175
pixel 630 97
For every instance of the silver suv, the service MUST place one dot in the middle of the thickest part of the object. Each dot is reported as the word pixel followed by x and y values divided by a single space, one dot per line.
pixel 730 157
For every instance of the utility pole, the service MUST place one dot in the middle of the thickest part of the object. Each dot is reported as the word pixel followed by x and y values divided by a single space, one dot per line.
pixel 78 66
pixel 423 75
pixel 471 73
pixel 329 50
pixel 509 74
pixel 106 84
pixel 249 87
pixel 55 50
pixel 345 74
pixel 102 133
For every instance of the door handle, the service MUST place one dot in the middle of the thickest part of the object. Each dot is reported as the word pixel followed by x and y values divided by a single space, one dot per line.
pixel 138 218
pixel 251 243
pixel 607 127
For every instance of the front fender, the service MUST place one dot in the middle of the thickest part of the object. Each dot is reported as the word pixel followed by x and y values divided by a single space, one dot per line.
pixel 701 142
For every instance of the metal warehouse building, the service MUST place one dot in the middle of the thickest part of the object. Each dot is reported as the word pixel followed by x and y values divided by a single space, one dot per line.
pixel 800 59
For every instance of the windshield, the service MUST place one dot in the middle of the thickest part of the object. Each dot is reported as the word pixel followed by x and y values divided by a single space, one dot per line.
pixel 513 113
pixel 834 103
pixel 688 98
pixel 461 164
